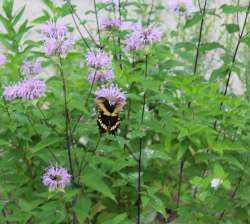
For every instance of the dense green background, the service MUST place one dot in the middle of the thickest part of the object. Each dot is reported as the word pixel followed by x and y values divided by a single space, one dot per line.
pixel 178 130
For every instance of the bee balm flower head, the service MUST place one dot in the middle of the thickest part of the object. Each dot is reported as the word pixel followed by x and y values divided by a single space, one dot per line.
pixel 31 68
pixel 112 94
pixel 111 24
pixel 143 37
pixel 182 7
pixel 29 89
pixel 56 178
pixel 101 76
pixel 98 60
pixel 56 40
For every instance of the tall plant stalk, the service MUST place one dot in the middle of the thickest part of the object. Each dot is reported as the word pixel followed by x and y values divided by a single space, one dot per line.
pixel 86 103
pixel 119 38
pixel 139 161
pixel 97 22
pixel 73 15
pixel 67 118
pixel 203 14
pixel 225 93
pixel 196 61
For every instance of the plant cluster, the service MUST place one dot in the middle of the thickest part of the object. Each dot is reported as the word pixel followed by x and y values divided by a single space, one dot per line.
pixel 131 122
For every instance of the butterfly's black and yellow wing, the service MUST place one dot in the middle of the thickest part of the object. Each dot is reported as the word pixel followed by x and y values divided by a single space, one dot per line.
pixel 108 119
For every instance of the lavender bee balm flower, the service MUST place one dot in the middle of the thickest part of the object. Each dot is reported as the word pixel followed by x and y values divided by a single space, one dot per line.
pixel 56 178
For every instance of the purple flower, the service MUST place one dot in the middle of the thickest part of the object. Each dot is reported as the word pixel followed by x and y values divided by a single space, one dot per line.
pixel 2 59
pixel 101 76
pixel 110 24
pixel 133 42
pixel 56 178
pixel 182 7
pixel 131 26
pixel 150 35
pixel 10 92
pixel 31 68
pixel 98 60
pixel 56 41
pixel 29 89
pixel 143 37
pixel 54 29
pixel 112 94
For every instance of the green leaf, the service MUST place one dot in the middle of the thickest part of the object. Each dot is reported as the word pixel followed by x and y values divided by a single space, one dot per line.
pixel 18 16
pixel 45 143
pixel 50 5
pixel 219 171
pixel 82 209
pixel 42 19
pixel 8 8
pixel 232 28
pixel 228 9
pixel 94 181
pixel 196 18
pixel 246 40
pixel 119 219
pixel 210 46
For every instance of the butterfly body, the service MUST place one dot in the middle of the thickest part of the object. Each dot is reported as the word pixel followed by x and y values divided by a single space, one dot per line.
pixel 108 119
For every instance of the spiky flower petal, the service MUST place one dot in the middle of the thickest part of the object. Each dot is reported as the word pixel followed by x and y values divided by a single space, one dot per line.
pixel 98 60
pixel 112 94
pixel 101 76
pixel 56 40
pixel 182 7
pixel 142 37
pixel 29 89
pixel 111 24
pixel 56 178
pixel 31 68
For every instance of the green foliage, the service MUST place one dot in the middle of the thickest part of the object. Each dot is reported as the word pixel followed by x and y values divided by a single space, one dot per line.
pixel 192 132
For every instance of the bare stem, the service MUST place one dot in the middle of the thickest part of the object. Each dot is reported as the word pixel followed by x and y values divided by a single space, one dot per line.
pixel 150 13
pixel 84 165
pixel 180 182
pixel 229 71
pixel 97 22
pixel 67 119
pixel 86 102
pixel 200 37
pixel 119 39
pixel 139 161
pixel 45 120
pixel 74 14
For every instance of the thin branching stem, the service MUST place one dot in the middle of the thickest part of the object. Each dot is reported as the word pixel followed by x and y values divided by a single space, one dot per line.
pixel 97 22
pixel 225 93
pixel 150 12
pixel 31 121
pixel 84 165
pixel 67 118
pixel 203 13
pixel 45 120
pixel 119 38
pixel 180 182
pixel 73 15
pixel 86 102
pixel 182 162
pixel 139 161
pixel 229 71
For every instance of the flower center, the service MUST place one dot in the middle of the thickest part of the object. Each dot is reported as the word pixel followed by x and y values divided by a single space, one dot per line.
pixel 55 178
